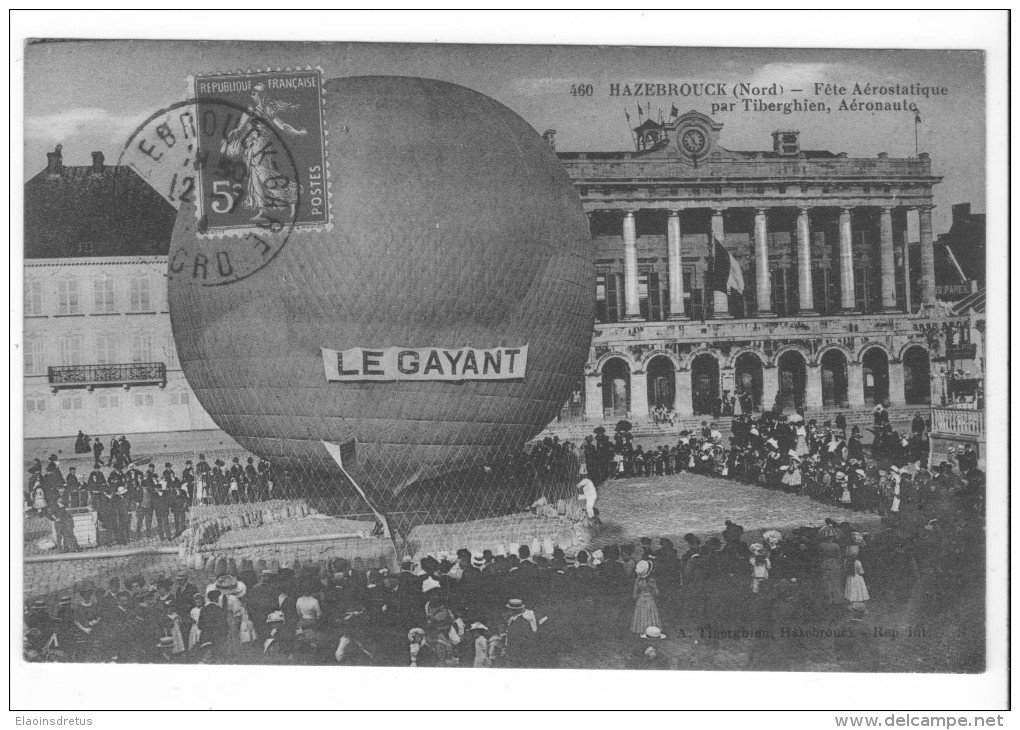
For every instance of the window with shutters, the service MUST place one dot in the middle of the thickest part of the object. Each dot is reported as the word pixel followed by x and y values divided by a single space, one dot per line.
pixel 106 401
pixel 34 298
pixel 70 350
pixel 107 349
pixel 35 405
pixel 68 301
pixel 141 296
pixel 141 347
pixel 35 356
pixel 105 299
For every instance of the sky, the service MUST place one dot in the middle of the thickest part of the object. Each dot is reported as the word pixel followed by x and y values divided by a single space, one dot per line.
pixel 90 95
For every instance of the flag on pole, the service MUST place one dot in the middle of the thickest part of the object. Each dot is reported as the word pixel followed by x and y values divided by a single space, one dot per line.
pixel 639 112
pixel 626 114
pixel 726 272
pixel 673 111
pixel 917 117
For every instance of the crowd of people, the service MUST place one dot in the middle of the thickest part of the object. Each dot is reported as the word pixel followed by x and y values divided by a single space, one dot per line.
pixel 492 609
pixel 128 498
pixel 529 606
pixel 827 462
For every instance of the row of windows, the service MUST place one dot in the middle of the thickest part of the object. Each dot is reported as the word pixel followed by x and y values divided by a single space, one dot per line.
pixel 142 346
pixel 106 401
pixel 103 297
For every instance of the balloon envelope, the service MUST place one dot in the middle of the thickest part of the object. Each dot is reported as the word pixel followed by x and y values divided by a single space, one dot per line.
pixel 454 225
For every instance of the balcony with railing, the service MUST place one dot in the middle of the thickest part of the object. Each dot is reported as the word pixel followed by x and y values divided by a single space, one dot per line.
pixel 122 375
pixel 958 422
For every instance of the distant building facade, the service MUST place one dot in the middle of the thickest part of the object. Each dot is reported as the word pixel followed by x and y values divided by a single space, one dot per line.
pixel 836 310
pixel 834 292
pixel 99 354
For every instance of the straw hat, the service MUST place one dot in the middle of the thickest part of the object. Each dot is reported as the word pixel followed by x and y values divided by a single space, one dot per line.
pixel 231 586
pixel 644 568
pixel 653 632
pixel 515 604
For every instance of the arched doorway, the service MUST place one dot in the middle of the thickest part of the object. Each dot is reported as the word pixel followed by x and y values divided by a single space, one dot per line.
pixel 661 382
pixel 834 380
pixel 615 388
pixel 705 385
pixel 916 376
pixel 792 379
pixel 876 376
pixel 749 382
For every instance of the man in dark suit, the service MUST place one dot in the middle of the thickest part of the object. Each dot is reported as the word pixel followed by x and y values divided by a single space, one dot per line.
pixel 524 578
pixel 121 512
pixel 261 601
pixel 409 606
pixel 161 506
pixel 966 458
pixel 212 622
pixel 183 592
pixel 470 585
pixel 146 505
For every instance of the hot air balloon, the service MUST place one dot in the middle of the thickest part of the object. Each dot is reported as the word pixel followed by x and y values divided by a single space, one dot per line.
pixel 454 228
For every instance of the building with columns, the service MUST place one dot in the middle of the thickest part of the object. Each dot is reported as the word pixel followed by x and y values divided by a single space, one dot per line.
pixel 836 253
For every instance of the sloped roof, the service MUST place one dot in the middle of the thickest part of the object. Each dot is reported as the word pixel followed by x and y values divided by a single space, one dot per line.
pixel 974 302
pixel 109 207
pixel 647 124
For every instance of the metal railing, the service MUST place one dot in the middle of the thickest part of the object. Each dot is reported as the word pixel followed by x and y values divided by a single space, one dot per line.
pixel 958 421
pixel 115 374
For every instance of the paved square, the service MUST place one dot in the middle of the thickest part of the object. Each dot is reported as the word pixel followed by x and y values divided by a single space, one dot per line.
pixel 671 506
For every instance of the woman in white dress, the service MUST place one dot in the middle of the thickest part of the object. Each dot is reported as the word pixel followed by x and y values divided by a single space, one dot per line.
pixel 856 590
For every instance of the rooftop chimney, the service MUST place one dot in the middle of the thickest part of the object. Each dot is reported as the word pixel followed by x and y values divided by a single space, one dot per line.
pixel 97 163
pixel 55 162
pixel 786 141
pixel 549 136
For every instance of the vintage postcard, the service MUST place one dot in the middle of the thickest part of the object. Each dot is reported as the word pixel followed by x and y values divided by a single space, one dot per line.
pixel 490 357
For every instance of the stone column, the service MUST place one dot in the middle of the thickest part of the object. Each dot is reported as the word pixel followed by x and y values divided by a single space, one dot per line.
pixel 639 395
pixel 927 256
pixel 762 278
pixel 896 395
pixel 813 388
pixel 769 386
pixel 855 384
pixel 683 402
pixel 720 300
pixel 632 304
pixel 676 269
pixel 907 281
pixel 593 397
pixel 848 298
pixel 888 259
pixel 805 285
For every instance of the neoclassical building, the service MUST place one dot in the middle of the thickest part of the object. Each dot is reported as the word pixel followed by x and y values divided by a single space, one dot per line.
pixel 837 256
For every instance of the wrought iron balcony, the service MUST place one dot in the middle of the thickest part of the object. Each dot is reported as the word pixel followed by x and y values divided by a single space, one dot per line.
pixel 105 376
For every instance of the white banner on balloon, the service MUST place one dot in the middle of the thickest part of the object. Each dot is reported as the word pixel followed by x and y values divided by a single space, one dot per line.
pixel 425 363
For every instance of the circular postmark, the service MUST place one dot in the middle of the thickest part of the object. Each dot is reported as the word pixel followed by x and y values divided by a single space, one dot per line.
pixel 233 179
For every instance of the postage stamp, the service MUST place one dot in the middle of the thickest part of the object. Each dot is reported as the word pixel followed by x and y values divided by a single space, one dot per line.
pixel 252 183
